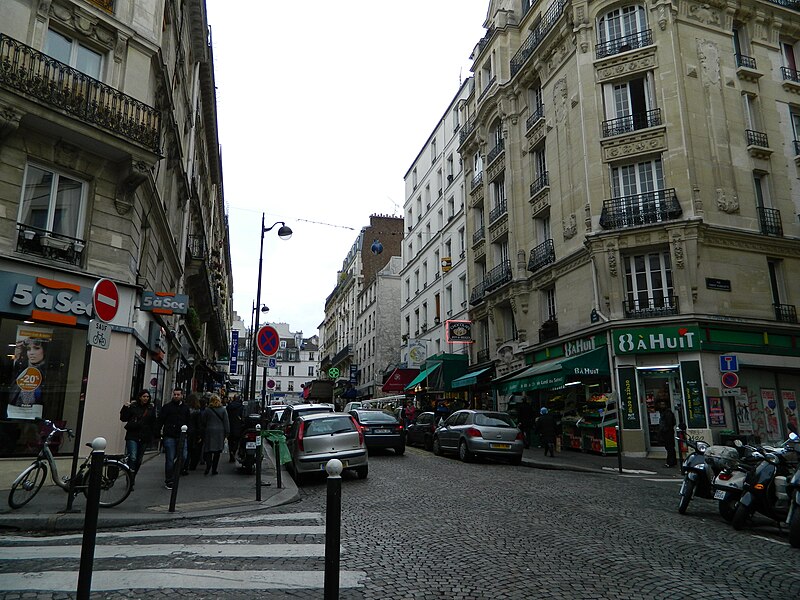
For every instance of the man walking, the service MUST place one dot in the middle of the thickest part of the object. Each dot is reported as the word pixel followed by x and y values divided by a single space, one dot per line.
pixel 667 430
pixel 547 428
pixel 236 420
pixel 525 413
pixel 173 416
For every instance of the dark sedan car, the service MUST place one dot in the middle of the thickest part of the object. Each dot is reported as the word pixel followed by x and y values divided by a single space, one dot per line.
pixel 420 432
pixel 381 429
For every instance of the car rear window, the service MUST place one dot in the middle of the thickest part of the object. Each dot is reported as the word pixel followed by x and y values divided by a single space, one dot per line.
pixel 328 426
pixel 376 417
pixel 494 420
pixel 314 410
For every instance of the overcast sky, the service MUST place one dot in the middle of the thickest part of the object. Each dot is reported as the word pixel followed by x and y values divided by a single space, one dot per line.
pixel 322 109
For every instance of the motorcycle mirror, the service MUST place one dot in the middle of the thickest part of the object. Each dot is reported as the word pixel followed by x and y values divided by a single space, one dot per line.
pixel 738 443
pixel 794 437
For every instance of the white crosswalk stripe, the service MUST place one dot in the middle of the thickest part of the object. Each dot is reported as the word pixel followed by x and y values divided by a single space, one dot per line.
pixel 177 550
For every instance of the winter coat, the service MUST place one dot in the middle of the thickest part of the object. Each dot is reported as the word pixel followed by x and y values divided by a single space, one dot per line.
pixel 547 428
pixel 173 416
pixel 235 417
pixel 215 428
pixel 195 424
pixel 140 421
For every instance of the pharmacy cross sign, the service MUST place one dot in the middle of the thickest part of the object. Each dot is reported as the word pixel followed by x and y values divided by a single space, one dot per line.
pixel 268 340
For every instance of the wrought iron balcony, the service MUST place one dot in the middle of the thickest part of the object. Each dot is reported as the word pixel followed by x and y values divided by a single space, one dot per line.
pixel 477 180
pixel 790 74
pixel 477 293
pixel 770 221
pixel 548 330
pixel 483 42
pixel 786 313
pixel 540 183
pixel 528 47
pixel 793 4
pixel 106 5
pixel 499 275
pixel 632 41
pixel 496 151
pixel 342 354
pixel 469 127
pixel 630 123
pixel 480 234
pixel 196 247
pixel 796 147
pixel 544 254
pixel 35 74
pixel 538 113
pixel 641 209
pixel 661 306
pixel 49 244
pixel 756 138
pixel 487 88
pixel 498 211
pixel 748 62
pixel 482 355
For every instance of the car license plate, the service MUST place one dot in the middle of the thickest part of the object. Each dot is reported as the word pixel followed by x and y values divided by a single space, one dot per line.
pixel 250 446
pixel 719 495
pixel 322 465
pixel 500 446
pixel 381 431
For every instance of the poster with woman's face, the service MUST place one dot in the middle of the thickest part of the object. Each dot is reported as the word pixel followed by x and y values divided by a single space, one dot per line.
pixel 29 372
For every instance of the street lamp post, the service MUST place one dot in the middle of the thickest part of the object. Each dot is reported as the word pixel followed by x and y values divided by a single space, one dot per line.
pixel 284 233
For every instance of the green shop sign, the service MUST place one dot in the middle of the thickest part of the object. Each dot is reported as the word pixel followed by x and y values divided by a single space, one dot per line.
pixel 628 398
pixel 656 340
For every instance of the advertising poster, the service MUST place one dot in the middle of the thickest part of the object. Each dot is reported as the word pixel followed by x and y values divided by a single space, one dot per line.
pixel 716 411
pixel 26 397
pixel 769 405
pixel 743 419
pixel 789 398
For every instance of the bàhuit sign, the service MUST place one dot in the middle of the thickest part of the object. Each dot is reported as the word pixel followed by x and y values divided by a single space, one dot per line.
pixel 656 340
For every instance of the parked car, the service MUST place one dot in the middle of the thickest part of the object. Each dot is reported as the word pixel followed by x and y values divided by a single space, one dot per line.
pixel 488 433
pixel 316 438
pixel 381 429
pixel 420 431
pixel 292 412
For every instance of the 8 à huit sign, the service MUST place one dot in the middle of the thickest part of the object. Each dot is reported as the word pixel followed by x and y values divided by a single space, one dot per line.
pixel 655 340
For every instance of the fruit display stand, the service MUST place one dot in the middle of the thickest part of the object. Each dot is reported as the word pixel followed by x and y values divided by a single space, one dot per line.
pixel 597 425
pixel 570 433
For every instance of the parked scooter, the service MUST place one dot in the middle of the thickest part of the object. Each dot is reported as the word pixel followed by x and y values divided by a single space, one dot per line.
pixel 246 452
pixel 696 475
pixel 793 490
pixel 766 488
pixel 731 471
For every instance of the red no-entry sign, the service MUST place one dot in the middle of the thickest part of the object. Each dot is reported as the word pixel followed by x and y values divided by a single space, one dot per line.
pixel 268 340
pixel 105 299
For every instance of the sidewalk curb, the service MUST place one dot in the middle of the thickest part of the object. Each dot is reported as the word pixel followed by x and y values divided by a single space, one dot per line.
pixel 535 464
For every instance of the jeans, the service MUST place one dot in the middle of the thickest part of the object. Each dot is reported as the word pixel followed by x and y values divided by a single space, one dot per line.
pixel 170 454
pixel 135 451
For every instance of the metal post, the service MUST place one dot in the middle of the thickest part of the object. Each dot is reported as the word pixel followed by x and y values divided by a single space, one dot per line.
pixel 277 449
pixel 177 468
pixel 90 520
pixel 258 463
pixel 87 359
pixel 681 435
pixel 619 446
pixel 333 529
pixel 258 307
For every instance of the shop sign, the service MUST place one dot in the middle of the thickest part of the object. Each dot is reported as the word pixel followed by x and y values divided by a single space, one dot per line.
pixel 458 331
pixel 46 300
pixel 353 374
pixel 578 347
pixel 654 340
pixel 629 403
pixel 693 394
pixel 234 351
pixel 165 303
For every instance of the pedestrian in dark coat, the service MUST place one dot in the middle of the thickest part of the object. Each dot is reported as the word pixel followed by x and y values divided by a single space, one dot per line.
pixel 547 428
pixel 525 413
pixel 174 415
pixel 195 433
pixel 215 429
pixel 139 417
pixel 235 410
pixel 667 430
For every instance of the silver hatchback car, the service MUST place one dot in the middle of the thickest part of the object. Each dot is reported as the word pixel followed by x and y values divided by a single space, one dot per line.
pixel 316 438
pixel 472 433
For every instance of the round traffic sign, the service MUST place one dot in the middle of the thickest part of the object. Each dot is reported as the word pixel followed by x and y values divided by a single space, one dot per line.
pixel 105 300
pixel 268 340
pixel 730 379
pixel 271 383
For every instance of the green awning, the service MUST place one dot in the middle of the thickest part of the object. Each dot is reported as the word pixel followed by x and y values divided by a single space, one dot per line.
pixel 468 379
pixel 422 376
pixel 554 373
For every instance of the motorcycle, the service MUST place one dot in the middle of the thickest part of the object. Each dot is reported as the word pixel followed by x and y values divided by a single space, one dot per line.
pixel 696 477
pixel 731 471
pixel 766 487
pixel 248 444
pixel 793 490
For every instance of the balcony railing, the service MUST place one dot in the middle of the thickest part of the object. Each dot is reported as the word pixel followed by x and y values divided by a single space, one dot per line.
pixel 793 4
pixel 196 247
pixel 630 123
pixel 477 293
pixel 540 183
pixel 49 244
pixel 477 180
pixel 499 275
pixel 538 113
pixel 106 5
pixel 548 330
pixel 469 127
pixel 482 355
pixel 624 43
pixel 796 144
pixel 641 209
pixel 480 234
pixel 496 151
pixel 756 138
pixel 543 255
pixel 498 211
pixel 663 306
pixel 790 74
pixel 786 313
pixel 770 221
pixel 342 354
pixel 35 74
pixel 748 62
pixel 532 42
pixel 487 88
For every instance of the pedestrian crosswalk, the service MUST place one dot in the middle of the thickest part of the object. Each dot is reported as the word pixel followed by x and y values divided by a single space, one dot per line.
pixel 243 552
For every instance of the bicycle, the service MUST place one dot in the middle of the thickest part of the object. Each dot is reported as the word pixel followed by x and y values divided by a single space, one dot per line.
pixel 115 483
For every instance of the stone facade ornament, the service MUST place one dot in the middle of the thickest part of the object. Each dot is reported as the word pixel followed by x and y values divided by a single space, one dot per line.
pixel 725 204
pixel 9 121
pixel 677 251
pixel 133 175
pixel 708 52
pixel 571 227
pixel 612 260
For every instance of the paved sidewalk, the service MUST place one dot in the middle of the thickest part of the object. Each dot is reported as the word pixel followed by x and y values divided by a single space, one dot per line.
pixel 198 496
pixel 587 462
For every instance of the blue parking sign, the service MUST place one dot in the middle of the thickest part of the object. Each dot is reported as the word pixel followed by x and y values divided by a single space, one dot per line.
pixel 272 362
pixel 728 362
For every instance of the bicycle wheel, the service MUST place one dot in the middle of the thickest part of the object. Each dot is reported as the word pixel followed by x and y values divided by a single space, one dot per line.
pixel 28 485
pixel 115 483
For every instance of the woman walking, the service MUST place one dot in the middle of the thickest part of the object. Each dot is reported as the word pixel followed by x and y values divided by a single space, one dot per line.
pixel 139 417
pixel 195 435
pixel 215 429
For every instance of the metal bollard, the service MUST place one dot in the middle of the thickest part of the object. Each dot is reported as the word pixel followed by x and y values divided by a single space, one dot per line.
pixel 619 447
pixel 90 519
pixel 681 435
pixel 176 472
pixel 258 463
pixel 277 448
pixel 333 529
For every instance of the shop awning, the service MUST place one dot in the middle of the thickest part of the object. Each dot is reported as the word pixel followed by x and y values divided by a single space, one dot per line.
pixel 422 376
pixel 554 373
pixel 468 379
pixel 399 379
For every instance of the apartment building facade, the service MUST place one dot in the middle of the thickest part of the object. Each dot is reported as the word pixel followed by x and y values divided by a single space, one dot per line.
pixel 633 198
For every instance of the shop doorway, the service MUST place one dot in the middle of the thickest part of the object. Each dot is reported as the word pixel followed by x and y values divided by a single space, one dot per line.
pixel 659 387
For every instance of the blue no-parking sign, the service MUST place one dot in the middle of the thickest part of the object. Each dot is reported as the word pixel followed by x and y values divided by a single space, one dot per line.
pixel 268 340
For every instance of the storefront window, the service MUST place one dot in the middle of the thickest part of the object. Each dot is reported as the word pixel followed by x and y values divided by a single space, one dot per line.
pixel 40 378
